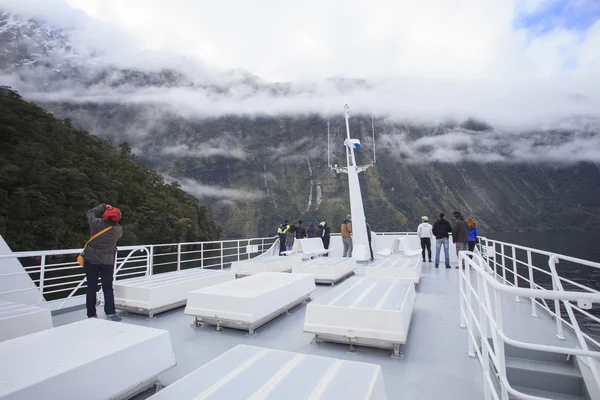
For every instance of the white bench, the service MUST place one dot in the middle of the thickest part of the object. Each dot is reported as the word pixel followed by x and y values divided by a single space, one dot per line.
pixel 402 246
pixel 92 359
pixel 248 372
pixel 366 311
pixel 327 269
pixel 249 302
pixel 308 248
pixel 265 264
pixel 154 294
pixel 22 319
pixel 396 267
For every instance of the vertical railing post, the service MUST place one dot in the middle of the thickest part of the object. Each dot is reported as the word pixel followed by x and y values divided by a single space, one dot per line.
pixel 515 275
pixel 115 268
pixel 461 294
pixel 42 273
pixel 556 286
pixel 483 334
pixel 461 263
pixel 503 264
pixel 202 255
pixel 531 283
pixel 238 249
pixel 178 256
pixel 222 243
pixel 495 261
pixel 500 356
pixel 490 260
pixel 150 269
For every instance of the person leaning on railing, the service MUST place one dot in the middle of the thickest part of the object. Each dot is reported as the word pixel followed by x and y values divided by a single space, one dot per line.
pixel 473 233
pixel 460 233
pixel 99 258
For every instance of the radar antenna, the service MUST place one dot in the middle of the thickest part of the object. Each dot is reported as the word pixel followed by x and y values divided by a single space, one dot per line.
pixel 350 145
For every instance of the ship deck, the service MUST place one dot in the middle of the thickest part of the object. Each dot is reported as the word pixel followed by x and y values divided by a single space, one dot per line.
pixel 435 362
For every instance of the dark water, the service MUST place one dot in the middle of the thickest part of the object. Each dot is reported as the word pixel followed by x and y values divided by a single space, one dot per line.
pixel 582 245
pixel 575 244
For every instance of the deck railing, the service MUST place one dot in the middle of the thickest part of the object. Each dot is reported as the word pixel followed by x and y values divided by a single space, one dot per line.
pixel 488 276
pixel 59 278
pixel 522 266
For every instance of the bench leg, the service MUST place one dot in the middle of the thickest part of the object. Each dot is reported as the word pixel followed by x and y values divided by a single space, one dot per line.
pixel 396 352
pixel 158 386
pixel 351 348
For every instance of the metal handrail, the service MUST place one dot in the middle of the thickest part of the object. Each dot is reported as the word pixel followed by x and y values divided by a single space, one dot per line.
pixel 582 342
pixel 139 260
pixel 488 243
pixel 491 316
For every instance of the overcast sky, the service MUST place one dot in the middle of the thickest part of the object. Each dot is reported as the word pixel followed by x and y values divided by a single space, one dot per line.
pixel 509 62
pixel 310 39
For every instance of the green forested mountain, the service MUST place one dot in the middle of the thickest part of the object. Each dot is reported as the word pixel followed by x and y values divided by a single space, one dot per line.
pixel 52 173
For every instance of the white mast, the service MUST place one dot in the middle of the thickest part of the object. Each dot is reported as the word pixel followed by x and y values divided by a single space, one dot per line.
pixel 373 130
pixel 328 159
pixel 360 241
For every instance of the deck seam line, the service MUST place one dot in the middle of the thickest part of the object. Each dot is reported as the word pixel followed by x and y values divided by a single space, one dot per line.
pixel 365 293
pixel 326 380
pixel 272 383
pixel 385 295
pixel 345 292
pixel 374 381
pixel 223 381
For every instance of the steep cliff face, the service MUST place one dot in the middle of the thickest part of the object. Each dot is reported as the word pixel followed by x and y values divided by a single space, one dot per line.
pixel 254 172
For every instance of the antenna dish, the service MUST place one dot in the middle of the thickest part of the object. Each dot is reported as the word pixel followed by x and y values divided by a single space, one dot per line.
pixel 355 143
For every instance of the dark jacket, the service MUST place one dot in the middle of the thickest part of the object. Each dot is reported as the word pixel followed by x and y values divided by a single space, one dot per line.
pixel 102 249
pixel 300 232
pixel 441 228
pixel 460 230
pixel 323 232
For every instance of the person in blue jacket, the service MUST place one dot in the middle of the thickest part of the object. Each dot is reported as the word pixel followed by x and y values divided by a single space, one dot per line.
pixel 473 233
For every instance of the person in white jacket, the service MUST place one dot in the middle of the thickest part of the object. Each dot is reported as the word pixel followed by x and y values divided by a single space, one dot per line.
pixel 424 232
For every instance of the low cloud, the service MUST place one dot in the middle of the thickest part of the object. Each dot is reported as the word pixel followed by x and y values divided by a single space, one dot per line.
pixel 201 191
pixel 538 88
pixel 421 101
pixel 223 146
pixel 509 77
pixel 557 147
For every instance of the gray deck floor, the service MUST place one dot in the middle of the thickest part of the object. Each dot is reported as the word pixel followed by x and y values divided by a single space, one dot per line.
pixel 435 363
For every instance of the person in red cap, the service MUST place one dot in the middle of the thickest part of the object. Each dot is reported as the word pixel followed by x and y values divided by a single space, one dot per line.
pixel 99 257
